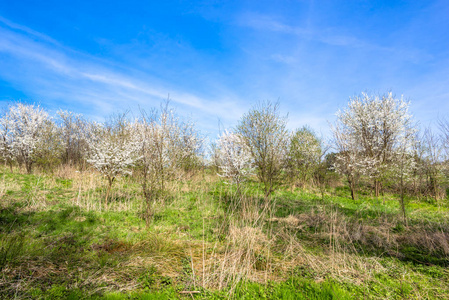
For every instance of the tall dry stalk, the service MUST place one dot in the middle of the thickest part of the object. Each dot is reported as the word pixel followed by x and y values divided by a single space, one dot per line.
pixel 246 250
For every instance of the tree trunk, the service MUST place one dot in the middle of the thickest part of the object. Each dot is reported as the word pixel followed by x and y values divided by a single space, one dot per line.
pixel 237 192
pixel 435 187
pixel 376 188
pixel 28 166
pixel 403 202
pixel 148 209
pixel 148 195
pixel 352 188
pixel 111 181
pixel 268 191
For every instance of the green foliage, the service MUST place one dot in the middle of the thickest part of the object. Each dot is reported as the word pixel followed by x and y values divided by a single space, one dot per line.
pixel 304 155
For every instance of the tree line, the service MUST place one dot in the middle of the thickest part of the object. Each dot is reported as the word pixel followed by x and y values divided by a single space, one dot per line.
pixel 376 145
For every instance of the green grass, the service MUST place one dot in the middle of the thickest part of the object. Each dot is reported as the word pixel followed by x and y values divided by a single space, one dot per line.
pixel 58 241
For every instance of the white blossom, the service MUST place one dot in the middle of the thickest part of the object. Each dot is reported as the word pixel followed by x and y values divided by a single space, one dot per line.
pixel 166 146
pixel 113 149
pixel 6 138
pixel 234 157
pixel 22 130
pixel 375 126
pixel 371 134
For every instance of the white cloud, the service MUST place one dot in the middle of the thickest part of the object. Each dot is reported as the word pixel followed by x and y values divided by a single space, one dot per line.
pixel 52 72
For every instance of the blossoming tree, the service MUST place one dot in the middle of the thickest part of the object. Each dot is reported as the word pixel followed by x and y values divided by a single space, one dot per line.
pixel 234 158
pixel 164 145
pixel 25 127
pixel 113 149
pixel 374 127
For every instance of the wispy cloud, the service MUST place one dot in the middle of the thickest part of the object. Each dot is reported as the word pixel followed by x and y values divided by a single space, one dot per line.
pixel 50 70
pixel 311 57
pixel 15 26
pixel 330 36
pixel 286 59
pixel 269 23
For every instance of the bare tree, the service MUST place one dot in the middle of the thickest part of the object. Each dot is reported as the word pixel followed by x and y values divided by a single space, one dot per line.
pixel 403 164
pixel 444 128
pixel 192 157
pixel 264 131
pixel 73 129
pixel 432 161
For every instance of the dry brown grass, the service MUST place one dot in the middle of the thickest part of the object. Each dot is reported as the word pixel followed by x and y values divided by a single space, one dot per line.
pixel 6 185
pixel 340 265
pixel 246 251
pixel 431 241
pixel 89 188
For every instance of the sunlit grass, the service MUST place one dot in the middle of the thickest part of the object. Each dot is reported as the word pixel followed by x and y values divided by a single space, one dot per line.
pixel 57 240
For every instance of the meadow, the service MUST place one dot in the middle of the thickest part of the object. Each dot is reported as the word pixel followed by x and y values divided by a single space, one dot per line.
pixel 207 240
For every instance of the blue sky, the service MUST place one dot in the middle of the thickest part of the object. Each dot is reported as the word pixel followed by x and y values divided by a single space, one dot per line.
pixel 217 58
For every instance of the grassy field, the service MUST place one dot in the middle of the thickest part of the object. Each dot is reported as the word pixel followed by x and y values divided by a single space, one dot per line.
pixel 57 240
